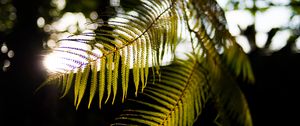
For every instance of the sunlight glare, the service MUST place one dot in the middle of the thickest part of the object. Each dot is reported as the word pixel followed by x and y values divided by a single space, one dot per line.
pixel 280 40
pixel 261 39
pixel 297 44
pixel 243 42
pixel 222 3
pixel 72 29
pixel 61 61
pixel 69 20
pixel 261 4
pixel 273 17
pixel 239 18
pixel 182 49
pixel 281 2
pixel 60 4
pixel 56 62
pixel 51 62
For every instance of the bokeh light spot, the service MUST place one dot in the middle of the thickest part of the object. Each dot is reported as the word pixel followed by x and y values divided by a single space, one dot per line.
pixel 115 3
pixel 261 39
pixel 280 40
pixel 40 22
pixel 94 15
pixel 6 63
pixel 11 54
pixel 51 43
pixel 243 42
pixel 60 4
pixel 4 48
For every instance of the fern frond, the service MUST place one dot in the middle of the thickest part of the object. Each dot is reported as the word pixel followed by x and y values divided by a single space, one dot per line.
pixel 206 24
pixel 208 16
pixel 54 79
pixel 170 101
pixel 109 75
pixel 231 102
pixel 181 94
pixel 77 86
pixel 94 82
pixel 139 38
pixel 102 81
pixel 211 37
pixel 68 83
pixel 83 84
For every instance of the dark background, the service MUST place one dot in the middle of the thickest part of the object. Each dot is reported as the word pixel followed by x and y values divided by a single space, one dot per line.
pixel 272 99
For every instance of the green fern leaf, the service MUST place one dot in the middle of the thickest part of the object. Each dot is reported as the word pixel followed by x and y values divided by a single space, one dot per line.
pixel 102 81
pixel 77 86
pixel 141 39
pixel 115 75
pixel 136 35
pixel 68 83
pixel 109 75
pixel 93 87
pixel 50 80
pixel 213 24
pixel 83 84
pixel 166 107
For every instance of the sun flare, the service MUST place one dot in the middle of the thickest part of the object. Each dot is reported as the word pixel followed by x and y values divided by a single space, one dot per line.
pixel 61 60
pixel 51 62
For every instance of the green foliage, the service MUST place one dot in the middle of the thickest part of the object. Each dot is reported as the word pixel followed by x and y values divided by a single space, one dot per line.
pixel 177 99
pixel 181 94
pixel 8 16
pixel 175 94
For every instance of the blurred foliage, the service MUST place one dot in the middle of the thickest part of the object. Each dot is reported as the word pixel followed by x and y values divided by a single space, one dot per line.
pixel 7 21
pixel 261 6
pixel 53 9
pixel 7 16
pixel 295 4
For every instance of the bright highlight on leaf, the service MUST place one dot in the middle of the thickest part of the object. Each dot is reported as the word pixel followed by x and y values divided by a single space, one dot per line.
pixel 70 55
pixel 51 63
